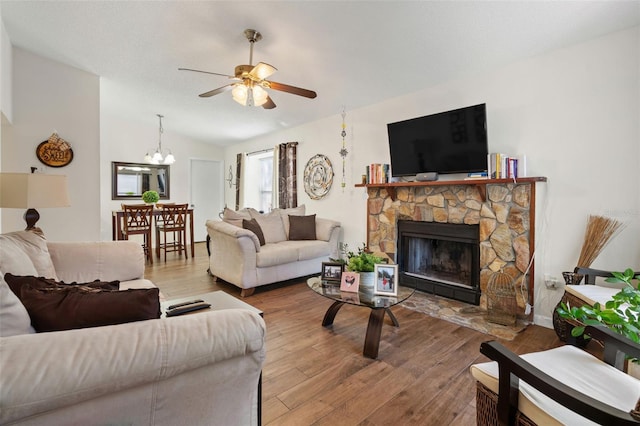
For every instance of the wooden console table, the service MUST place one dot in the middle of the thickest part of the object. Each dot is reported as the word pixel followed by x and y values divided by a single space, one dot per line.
pixel 117 216
pixel 481 184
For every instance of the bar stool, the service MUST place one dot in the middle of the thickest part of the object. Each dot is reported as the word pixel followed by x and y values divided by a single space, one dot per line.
pixel 137 221
pixel 172 219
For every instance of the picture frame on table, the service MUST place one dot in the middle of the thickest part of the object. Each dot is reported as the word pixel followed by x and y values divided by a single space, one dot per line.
pixel 332 271
pixel 386 277
pixel 350 281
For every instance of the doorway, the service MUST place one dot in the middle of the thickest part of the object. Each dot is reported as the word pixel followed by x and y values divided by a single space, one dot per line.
pixel 207 194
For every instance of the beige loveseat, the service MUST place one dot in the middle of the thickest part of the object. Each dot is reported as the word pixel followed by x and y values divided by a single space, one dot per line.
pixel 237 255
pixel 200 369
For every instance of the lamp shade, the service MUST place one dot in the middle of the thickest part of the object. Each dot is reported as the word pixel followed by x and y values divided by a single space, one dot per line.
pixel 33 190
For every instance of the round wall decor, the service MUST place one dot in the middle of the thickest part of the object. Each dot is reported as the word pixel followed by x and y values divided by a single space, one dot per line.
pixel 54 152
pixel 318 176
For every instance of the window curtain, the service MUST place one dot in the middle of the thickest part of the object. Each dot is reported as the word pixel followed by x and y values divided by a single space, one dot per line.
pixel 286 183
pixel 240 171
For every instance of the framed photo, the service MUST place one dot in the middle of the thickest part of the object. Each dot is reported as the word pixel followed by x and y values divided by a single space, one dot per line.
pixel 386 279
pixel 350 281
pixel 331 271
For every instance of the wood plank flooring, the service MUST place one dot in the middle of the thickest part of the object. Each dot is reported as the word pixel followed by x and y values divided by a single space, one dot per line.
pixel 318 376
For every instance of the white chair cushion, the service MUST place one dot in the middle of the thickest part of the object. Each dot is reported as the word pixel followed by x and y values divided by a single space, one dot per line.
pixel 577 369
pixel 591 294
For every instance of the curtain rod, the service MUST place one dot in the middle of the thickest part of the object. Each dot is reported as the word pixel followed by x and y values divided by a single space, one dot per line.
pixel 260 151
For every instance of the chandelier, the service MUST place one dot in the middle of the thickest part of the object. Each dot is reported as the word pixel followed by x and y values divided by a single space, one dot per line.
pixel 157 157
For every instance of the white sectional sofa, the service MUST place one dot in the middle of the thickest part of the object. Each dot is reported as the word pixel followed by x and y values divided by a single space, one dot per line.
pixel 237 255
pixel 200 369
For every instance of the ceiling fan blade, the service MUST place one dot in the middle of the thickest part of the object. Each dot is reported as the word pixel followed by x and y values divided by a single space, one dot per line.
pixel 216 91
pixel 206 72
pixel 262 71
pixel 269 104
pixel 291 89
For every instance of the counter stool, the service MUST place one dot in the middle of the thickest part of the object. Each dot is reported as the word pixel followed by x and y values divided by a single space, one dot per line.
pixel 172 219
pixel 137 221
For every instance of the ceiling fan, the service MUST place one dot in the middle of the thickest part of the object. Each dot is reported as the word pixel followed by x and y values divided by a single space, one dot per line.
pixel 250 81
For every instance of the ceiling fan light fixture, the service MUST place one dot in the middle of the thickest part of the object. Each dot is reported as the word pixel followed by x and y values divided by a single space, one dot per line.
pixel 249 95
pixel 239 94
pixel 259 95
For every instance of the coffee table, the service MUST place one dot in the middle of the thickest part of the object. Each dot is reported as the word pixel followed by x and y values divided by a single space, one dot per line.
pixel 217 299
pixel 379 305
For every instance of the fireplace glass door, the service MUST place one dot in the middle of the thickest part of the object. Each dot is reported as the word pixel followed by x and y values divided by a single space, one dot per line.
pixel 440 258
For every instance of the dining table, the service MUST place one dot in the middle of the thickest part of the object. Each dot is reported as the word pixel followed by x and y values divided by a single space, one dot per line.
pixel 117 223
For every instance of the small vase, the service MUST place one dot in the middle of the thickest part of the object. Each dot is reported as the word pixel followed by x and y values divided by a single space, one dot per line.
pixel 367 279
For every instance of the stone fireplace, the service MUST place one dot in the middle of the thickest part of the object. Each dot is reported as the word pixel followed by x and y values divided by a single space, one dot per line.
pixel 502 213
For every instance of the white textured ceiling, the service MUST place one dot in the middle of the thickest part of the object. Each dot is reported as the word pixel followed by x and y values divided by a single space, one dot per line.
pixel 352 53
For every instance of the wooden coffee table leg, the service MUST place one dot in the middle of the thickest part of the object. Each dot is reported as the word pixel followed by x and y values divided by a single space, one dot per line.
pixel 374 329
pixel 331 313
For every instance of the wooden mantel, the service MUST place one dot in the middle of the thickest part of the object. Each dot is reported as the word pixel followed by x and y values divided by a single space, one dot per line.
pixel 481 184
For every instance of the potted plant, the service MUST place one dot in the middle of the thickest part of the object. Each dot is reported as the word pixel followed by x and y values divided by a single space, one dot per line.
pixel 361 261
pixel 150 197
pixel 621 314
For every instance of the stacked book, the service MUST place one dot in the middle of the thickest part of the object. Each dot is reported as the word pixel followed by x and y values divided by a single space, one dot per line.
pixel 503 166
pixel 378 173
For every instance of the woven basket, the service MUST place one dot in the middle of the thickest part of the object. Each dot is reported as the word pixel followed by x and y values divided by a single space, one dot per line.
pixel 562 327
pixel 487 409
pixel 501 299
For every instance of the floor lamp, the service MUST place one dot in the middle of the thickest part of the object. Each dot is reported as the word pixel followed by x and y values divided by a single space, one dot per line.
pixel 33 190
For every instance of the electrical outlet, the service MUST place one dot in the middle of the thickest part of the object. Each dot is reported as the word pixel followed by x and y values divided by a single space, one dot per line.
pixel 550 282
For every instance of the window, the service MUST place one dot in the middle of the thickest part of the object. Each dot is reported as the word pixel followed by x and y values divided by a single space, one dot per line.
pixel 266 183
pixel 258 186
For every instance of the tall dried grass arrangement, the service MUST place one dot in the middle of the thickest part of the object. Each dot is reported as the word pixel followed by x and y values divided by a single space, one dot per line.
pixel 600 231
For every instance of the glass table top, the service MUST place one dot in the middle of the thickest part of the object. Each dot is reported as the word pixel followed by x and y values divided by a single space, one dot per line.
pixel 364 297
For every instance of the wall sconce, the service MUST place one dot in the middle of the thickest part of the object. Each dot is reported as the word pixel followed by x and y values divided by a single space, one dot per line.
pixel 230 178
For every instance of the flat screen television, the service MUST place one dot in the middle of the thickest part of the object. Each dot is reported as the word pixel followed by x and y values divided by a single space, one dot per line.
pixel 447 142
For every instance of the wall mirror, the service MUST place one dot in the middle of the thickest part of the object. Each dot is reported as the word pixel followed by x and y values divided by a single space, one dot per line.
pixel 130 180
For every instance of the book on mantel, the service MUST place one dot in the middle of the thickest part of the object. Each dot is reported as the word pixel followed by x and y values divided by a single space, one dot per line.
pixel 378 173
pixel 502 166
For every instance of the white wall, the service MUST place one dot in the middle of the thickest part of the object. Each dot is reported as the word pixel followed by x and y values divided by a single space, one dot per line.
pixel 574 112
pixel 47 97
pixel 124 140
pixel 6 65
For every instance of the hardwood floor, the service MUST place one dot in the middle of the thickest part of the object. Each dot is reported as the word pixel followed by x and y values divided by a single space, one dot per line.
pixel 318 376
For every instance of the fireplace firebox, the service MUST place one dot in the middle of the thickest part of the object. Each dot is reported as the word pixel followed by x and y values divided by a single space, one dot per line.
pixel 440 258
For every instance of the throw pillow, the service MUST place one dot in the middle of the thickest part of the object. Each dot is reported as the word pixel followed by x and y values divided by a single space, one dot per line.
pixel 293 211
pixel 25 253
pixel 235 217
pixel 14 319
pixel 302 227
pixel 16 282
pixel 271 225
pixel 253 226
pixel 73 306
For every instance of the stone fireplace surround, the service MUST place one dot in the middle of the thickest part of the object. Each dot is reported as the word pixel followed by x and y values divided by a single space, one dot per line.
pixel 504 211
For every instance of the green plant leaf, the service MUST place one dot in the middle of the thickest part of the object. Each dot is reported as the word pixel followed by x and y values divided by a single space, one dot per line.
pixel 577 331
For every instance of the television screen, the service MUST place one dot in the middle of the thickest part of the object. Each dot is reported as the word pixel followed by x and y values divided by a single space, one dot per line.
pixel 448 142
